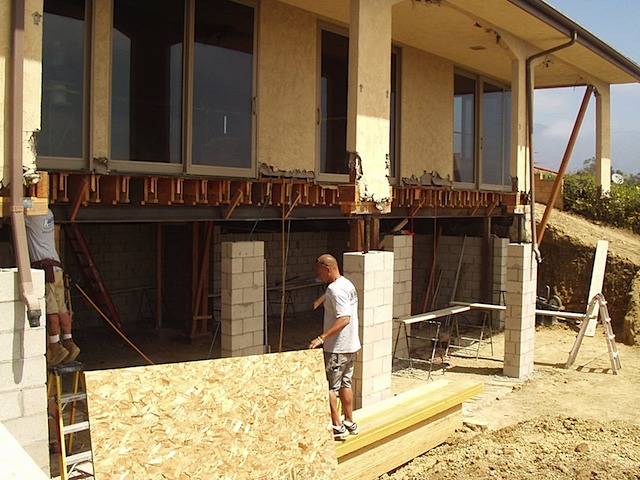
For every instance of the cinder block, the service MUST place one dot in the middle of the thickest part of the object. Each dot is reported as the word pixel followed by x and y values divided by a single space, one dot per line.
pixel 34 400
pixel 30 429
pixel 12 405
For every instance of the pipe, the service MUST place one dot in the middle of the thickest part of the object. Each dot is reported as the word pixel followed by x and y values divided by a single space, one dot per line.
pixel 16 94
pixel 565 161
pixel 529 105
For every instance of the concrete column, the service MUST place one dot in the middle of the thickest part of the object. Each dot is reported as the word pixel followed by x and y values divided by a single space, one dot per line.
pixel 23 369
pixel 603 139
pixel 369 94
pixel 519 137
pixel 372 275
pixel 520 319
pixel 402 248
pixel 242 289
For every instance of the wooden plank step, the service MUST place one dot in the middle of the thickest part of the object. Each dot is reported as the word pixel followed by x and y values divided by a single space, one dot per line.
pixel 396 413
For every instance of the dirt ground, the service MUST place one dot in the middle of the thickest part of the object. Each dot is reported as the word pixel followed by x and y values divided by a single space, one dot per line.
pixel 576 423
pixel 567 249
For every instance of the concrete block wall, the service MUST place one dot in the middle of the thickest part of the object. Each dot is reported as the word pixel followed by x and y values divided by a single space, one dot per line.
pixel 372 274
pixel 520 318
pixel 447 258
pixel 402 248
pixel 242 316
pixel 125 255
pixel 23 369
pixel 303 250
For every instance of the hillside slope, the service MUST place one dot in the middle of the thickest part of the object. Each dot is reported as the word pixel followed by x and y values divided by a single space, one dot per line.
pixel 568 247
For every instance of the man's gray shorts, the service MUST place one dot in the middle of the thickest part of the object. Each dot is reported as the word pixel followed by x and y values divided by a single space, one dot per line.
pixel 339 369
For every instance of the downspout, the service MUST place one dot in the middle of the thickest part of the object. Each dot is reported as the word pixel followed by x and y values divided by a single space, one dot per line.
pixel 16 95
pixel 529 102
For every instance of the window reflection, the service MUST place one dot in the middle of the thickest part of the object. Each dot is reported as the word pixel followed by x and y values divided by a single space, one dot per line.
pixel 146 109
pixel 222 84
pixel 334 86
pixel 464 129
pixel 62 79
pixel 496 109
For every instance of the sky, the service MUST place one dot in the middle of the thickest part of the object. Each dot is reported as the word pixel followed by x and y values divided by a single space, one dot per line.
pixel 615 22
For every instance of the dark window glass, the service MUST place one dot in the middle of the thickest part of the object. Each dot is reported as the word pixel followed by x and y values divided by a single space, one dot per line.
pixel 464 129
pixel 334 86
pixel 222 84
pixel 62 79
pixel 496 109
pixel 146 109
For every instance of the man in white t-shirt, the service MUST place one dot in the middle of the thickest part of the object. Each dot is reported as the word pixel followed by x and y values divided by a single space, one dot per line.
pixel 44 256
pixel 340 341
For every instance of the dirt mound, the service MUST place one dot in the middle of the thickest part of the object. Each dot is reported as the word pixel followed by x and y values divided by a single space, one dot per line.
pixel 552 448
pixel 560 423
pixel 568 248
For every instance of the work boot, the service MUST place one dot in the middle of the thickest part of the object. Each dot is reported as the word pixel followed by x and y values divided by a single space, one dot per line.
pixel 72 348
pixel 56 353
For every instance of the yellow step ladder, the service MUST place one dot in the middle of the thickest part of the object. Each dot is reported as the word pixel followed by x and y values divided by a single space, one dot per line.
pixel 597 309
pixel 69 411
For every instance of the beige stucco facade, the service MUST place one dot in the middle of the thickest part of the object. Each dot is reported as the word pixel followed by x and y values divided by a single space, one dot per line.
pixel 286 88
pixel 32 84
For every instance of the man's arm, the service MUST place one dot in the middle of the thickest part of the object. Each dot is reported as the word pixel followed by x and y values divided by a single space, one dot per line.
pixel 334 329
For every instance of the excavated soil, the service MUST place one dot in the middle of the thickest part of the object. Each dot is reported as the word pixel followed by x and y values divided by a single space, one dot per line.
pixel 562 423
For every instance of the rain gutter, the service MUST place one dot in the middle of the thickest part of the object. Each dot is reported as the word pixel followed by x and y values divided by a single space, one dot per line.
pixel 565 25
pixel 16 95
pixel 529 105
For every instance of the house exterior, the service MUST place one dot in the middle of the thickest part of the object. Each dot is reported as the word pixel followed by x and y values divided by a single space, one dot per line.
pixel 166 131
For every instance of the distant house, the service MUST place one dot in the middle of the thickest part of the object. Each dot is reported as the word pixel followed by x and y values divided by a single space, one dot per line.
pixel 161 131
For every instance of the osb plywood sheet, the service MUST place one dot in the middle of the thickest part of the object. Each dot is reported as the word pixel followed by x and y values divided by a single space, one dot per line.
pixel 255 417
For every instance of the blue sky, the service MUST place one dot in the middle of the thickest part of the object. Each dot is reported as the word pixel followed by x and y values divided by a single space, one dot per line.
pixel 616 22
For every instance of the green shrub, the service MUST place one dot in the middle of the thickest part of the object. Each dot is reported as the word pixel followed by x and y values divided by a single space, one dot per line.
pixel 621 208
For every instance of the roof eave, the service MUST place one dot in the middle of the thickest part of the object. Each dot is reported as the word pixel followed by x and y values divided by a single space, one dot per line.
pixel 556 19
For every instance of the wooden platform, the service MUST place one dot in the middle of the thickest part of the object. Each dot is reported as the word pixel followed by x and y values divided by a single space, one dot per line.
pixel 400 428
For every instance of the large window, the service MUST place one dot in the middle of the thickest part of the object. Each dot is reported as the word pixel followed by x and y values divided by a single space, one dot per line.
pixel 496 138
pixel 62 79
pixel 481 132
pixel 183 87
pixel 333 103
pixel 147 80
pixel 222 84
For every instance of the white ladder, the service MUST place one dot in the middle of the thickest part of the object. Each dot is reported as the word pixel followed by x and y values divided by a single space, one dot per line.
pixel 597 305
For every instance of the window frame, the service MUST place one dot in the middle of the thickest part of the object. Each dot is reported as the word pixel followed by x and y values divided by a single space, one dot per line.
pixel 478 133
pixel 321 176
pixel 75 163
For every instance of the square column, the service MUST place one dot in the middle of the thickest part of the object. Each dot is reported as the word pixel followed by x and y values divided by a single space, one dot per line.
pixel 520 318
pixel 23 369
pixel 242 299
pixel 372 275
pixel 402 248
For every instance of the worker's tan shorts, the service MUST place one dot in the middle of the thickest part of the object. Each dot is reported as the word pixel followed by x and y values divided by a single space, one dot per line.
pixel 339 369
pixel 56 301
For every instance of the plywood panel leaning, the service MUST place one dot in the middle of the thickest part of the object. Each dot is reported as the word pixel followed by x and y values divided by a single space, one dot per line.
pixel 257 417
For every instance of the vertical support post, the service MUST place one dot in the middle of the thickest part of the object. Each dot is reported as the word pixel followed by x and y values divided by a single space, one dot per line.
pixel 372 275
pixel 520 321
pixel 242 288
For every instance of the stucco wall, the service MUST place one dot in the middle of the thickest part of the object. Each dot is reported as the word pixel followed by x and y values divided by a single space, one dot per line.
pixel 427 114
pixel 32 84
pixel 287 70
pixel 286 87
